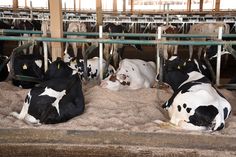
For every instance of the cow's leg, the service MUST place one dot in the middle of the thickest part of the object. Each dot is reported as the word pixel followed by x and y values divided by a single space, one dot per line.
pixel 175 50
pixel 219 122
pixel 189 126
pixel 190 52
pixel 85 57
pixel 115 56
pixel 75 49
pixel 165 52
pixel 31 120
pixel 200 52
pixel 23 113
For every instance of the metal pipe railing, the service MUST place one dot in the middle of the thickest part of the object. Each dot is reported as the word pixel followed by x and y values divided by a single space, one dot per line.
pixel 11 31
pixel 109 41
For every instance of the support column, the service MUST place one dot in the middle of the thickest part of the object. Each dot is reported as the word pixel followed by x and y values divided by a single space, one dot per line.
pixel 114 7
pixel 217 5
pixel 15 5
pixel 56 27
pixel 79 5
pixel 132 7
pixel 74 5
pixel 189 5
pixel 124 7
pixel 201 5
pixel 26 4
pixel 99 13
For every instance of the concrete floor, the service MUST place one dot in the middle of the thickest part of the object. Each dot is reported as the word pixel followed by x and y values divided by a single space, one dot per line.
pixel 62 143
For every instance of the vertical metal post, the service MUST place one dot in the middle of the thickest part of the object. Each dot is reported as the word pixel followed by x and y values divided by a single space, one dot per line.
pixel 45 50
pixel 158 50
pixel 218 57
pixel 100 54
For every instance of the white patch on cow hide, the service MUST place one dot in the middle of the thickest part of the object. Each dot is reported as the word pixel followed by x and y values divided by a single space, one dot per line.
pixel 39 63
pixel 24 110
pixel 194 75
pixel 24 67
pixel 55 94
pixel 172 58
pixel 196 62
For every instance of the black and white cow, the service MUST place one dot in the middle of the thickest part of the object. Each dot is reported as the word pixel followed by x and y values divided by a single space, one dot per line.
pixel 206 29
pixel 4 70
pixel 195 104
pixel 27 65
pixel 56 100
pixel 131 74
pixel 92 67
pixel 112 51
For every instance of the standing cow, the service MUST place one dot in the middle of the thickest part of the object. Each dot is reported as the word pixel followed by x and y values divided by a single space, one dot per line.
pixel 131 74
pixel 168 50
pixel 56 100
pixel 205 29
pixel 92 67
pixel 195 104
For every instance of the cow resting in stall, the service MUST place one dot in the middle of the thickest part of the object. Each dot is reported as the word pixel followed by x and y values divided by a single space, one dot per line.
pixel 168 50
pixel 92 67
pixel 56 100
pixel 195 103
pixel 131 74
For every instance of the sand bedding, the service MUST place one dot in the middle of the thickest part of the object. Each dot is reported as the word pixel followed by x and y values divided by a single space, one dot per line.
pixel 124 110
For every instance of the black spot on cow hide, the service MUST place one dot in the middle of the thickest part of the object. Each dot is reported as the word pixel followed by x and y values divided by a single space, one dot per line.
pixel 204 115
pixel 184 105
pixel 179 108
pixel 225 112
pixel 188 110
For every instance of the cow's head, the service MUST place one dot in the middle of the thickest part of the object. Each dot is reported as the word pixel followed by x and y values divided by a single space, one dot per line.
pixel 58 69
pixel 115 82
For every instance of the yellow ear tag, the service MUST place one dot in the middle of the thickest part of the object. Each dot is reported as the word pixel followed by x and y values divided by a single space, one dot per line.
pixel 25 67
pixel 178 67
pixel 58 66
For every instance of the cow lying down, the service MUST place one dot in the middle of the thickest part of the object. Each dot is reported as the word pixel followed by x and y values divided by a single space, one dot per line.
pixel 195 104
pixel 56 100
pixel 131 74
pixel 92 67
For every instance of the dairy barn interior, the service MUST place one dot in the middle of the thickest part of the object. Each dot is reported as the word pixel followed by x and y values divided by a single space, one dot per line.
pixel 117 78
